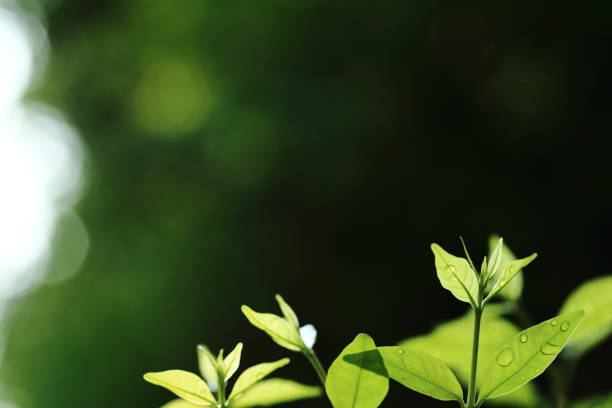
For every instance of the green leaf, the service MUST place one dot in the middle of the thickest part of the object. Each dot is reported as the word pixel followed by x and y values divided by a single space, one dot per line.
pixel 179 403
pixel 528 354
pixel 455 275
pixel 451 342
pixel 287 311
pixel 422 373
pixel 495 256
pixel 253 375
pixel 349 384
pixel 208 365
pixel 506 273
pixel 231 362
pixel 514 288
pixel 284 333
pixel 275 391
pixel 595 298
pixel 184 384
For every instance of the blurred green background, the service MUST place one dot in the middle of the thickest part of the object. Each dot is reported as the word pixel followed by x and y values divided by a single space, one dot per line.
pixel 313 148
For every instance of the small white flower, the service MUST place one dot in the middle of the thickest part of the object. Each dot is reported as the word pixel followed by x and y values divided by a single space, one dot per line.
pixel 308 333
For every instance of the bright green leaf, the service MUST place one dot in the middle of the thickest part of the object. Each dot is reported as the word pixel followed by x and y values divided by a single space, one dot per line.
pixel 231 362
pixel 495 256
pixel 287 311
pixel 184 384
pixel 595 298
pixel 275 391
pixel 284 333
pixel 451 342
pixel 421 372
pixel 349 384
pixel 208 365
pixel 514 288
pixel 455 274
pixel 528 354
pixel 179 403
pixel 506 273
pixel 253 375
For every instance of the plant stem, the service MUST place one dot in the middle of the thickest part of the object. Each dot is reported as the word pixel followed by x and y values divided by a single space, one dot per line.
pixel 314 360
pixel 221 391
pixel 471 399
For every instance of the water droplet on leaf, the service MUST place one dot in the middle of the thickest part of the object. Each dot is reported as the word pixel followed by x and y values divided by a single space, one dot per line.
pixel 549 349
pixel 554 322
pixel 451 268
pixel 400 351
pixel 524 337
pixel 505 357
pixel 564 326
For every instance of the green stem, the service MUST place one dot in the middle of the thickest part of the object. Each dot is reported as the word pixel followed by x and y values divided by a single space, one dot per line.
pixel 471 399
pixel 221 391
pixel 314 360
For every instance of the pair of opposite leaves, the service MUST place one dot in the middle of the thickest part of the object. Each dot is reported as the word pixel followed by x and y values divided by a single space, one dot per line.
pixel 358 378
pixel 250 389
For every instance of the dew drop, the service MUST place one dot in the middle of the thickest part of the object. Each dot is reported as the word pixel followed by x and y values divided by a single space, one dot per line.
pixel 511 269
pixel 524 337
pixel 549 349
pixel 505 357
pixel 554 322
pixel 564 326
pixel 451 268
pixel 400 351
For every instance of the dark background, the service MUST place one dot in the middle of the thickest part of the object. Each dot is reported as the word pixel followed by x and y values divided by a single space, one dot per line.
pixel 313 148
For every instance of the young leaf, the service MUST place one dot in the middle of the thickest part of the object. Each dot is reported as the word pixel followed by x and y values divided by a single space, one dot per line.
pixel 184 384
pixel 350 384
pixel 253 375
pixel 455 275
pixel 495 257
pixel 284 333
pixel 287 311
pixel 594 297
pixel 179 403
pixel 528 354
pixel 231 362
pixel 514 288
pixel 208 366
pixel 507 271
pixel 275 391
pixel 422 373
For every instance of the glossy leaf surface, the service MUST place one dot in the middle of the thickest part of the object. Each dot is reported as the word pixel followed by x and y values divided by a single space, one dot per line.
pixel 595 298
pixel 179 403
pixel 231 362
pixel 208 365
pixel 284 333
pixel 455 274
pixel 253 375
pixel 528 354
pixel 184 384
pixel 421 372
pixel 507 272
pixel 287 311
pixel 275 391
pixel 350 384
